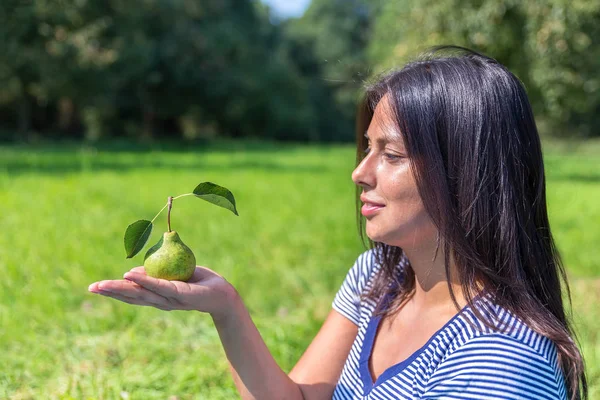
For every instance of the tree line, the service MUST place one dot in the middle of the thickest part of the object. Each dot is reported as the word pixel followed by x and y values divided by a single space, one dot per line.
pixel 150 69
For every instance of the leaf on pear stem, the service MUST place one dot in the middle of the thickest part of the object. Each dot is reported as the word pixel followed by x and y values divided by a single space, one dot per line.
pixel 136 236
pixel 217 195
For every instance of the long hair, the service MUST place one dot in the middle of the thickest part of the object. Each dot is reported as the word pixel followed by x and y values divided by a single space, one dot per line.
pixel 476 156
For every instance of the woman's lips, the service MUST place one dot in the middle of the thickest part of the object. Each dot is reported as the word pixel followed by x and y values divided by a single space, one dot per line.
pixel 369 209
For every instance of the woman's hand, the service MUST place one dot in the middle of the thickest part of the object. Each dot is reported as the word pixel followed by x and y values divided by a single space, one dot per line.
pixel 206 291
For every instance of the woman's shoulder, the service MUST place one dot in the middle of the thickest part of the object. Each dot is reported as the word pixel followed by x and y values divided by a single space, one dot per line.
pixel 349 300
pixel 358 279
pixel 368 264
pixel 503 328
pixel 502 325
pixel 507 352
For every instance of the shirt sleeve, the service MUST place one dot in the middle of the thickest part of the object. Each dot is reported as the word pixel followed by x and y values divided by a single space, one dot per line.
pixel 347 299
pixel 498 367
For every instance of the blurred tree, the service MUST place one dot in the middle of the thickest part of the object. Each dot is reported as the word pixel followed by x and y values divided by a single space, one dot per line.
pixel 155 68
pixel 22 51
pixel 76 75
pixel 328 44
pixel 563 44
pixel 49 58
pixel 130 68
pixel 551 45
pixel 174 56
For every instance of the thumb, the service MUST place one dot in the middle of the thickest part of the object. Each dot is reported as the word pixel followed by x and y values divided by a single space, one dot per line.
pixel 139 270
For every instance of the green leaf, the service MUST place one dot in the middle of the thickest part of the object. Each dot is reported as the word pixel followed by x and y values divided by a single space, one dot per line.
pixel 217 195
pixel 136 236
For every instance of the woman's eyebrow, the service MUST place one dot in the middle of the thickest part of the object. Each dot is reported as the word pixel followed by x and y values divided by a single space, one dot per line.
pixel 386 138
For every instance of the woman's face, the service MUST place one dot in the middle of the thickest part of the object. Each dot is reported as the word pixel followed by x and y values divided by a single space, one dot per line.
pixel 394 212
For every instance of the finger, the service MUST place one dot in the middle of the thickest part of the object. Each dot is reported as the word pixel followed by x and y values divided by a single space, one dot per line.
pixel 202 273
pixel 134 301
pixel 112 285
pixel 161 287
pixel 133 291
pixel 116 285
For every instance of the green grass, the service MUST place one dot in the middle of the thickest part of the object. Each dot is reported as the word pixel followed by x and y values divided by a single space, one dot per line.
pixel 64 212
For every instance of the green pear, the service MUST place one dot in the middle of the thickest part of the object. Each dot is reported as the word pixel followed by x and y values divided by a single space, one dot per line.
pixel 170 259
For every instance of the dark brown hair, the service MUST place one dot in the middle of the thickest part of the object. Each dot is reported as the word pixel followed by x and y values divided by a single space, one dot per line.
pixel 476 156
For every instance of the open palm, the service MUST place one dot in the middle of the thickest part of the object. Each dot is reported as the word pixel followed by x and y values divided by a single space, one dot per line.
pixel 205 291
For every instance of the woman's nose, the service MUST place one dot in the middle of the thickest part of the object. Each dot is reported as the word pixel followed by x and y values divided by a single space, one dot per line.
pixel 363 175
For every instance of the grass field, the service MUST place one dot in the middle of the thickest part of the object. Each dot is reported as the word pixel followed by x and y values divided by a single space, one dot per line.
pixel 64 209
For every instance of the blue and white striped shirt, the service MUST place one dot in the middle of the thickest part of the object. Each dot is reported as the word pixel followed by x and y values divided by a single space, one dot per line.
pixel 458 362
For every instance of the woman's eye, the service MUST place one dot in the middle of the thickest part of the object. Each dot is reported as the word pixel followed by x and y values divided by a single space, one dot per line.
pixel 392 157
pixel 367 150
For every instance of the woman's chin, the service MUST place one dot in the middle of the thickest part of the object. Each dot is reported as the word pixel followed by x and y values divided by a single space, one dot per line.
pixel 376 236
pixel 389 239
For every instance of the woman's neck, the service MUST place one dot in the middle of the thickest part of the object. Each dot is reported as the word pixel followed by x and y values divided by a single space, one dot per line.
pixel 431 281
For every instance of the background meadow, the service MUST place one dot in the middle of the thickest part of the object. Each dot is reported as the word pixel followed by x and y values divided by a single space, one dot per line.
pixel 64 210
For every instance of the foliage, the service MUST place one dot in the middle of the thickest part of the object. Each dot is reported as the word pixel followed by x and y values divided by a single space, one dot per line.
pixel 146 68
pixel 563 41
pixel 552 46
pixel 195 70
pixel 329 45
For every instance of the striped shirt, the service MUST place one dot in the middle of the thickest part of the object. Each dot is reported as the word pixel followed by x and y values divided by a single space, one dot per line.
pixel 463 360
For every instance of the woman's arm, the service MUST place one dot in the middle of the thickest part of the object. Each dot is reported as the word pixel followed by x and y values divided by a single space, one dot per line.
pixel 320 367
pixel 257 375
pixel 255 372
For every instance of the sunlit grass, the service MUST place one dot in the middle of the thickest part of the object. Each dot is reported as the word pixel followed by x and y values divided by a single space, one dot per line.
pixel 64 212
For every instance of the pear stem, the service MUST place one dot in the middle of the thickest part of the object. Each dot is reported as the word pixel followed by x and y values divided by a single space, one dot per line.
pixel 170 204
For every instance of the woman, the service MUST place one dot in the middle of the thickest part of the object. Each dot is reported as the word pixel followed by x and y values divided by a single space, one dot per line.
pixel 460 294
